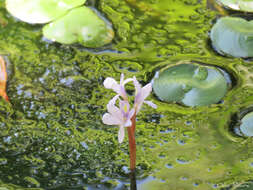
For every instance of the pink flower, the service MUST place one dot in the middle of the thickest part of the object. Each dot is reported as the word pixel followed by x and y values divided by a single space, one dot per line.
pixel 141 94
pixel 111 83
pixel 118 116
pixel 122 115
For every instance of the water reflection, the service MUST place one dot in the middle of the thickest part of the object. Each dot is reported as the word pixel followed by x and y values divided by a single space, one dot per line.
pixel 213 5
pixel 133 180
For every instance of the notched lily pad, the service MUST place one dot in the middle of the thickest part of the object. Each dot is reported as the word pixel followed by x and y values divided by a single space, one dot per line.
pixel 246 126
pixel 240 5
pixel 190 84
pixel 80 25
pixel 233 36
pixel 40 11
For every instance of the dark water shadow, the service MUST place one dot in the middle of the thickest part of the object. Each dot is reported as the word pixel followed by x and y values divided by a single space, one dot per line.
pixel 132 176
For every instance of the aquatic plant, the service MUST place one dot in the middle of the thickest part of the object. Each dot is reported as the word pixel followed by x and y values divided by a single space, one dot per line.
pixel 124 116
pixel 246 126
pixel 233 36
pixel 70 23
pixel 40 11
pixel 190 84
pixel 91 31
pixel 3 79
pixel 240 5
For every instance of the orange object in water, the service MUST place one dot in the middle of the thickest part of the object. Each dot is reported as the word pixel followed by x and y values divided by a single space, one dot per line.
pixel 3 79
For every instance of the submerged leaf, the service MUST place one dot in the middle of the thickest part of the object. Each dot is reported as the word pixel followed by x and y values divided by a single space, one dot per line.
pixel 81 25
pixel 40 11
pixel 190 84
pixel 242 5
pixel 233 36
pixel 3 79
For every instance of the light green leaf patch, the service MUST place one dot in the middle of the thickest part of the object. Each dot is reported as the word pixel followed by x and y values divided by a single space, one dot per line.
pixel 233 36
pixel 247 125
pixel 191 85
pixel 81 25
pixel 40 11
pixel 241 5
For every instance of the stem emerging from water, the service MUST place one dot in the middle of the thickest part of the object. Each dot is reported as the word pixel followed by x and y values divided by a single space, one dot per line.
pixel 132 144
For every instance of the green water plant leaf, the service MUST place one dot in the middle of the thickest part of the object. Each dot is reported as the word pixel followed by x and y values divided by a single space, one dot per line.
pixel 241 5
pixel 81 25
pixel 190 84
pixel 233 36
pixel 246 126
pixel 40 11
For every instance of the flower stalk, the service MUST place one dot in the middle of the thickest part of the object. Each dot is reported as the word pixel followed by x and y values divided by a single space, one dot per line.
pixel 132 143
pixel 124 115
pixel 3 79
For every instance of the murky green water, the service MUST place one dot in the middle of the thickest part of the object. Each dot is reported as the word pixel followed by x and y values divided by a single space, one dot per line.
pixel 52 136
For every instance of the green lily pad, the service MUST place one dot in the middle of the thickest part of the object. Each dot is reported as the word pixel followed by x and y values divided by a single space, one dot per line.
pixel 246 126
pixel 81 25
pixel 190 84
pixel 241 5
pixel 233 36
pixel 40 11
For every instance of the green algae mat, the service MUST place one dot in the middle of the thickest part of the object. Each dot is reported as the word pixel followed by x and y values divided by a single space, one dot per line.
pixel 52 136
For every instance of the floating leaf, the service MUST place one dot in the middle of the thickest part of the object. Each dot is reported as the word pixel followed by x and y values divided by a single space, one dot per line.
pixel 40 11
pixel 246 126
pixel 242 5
pixel 233 36
pixel 81 25
pixel 190 84
pixel 3 79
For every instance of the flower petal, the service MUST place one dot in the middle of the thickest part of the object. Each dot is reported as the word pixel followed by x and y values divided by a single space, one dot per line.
pixel 138 107
pixel 121 78
pixel 111 104
pixel 141 95
pixel 122 92
pixel 137 85
pixel 109 119
pixel 146 90
pixel 113 110
pixel 131 113
pixel 111 83
pixel 127 81
pixel 121 134
pixel 128 123
pixel 151 104
pixel 124 106
pixel 113 100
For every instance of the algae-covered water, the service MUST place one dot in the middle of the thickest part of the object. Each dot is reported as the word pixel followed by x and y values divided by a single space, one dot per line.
pixel 52 136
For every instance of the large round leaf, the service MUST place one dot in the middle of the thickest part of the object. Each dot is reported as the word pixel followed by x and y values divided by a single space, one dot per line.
pixel 233 36
pixel 242 5
pixel 81 25
pixel 246 126
pixel 40 11
pixel 190 84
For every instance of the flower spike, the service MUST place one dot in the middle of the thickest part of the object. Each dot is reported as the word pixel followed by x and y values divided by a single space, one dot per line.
pixel 124 116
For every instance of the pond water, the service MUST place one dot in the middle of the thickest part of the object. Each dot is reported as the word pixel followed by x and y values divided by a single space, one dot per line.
pixel 52 136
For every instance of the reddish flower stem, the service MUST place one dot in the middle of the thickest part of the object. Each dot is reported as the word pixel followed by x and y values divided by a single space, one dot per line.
pixel 132 144
pixel 3 79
